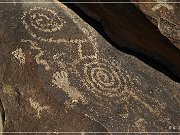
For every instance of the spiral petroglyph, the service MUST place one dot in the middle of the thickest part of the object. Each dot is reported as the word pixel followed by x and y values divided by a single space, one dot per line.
pixel 42 19
pixel 42 23
pixel 41 15
pixel 104 78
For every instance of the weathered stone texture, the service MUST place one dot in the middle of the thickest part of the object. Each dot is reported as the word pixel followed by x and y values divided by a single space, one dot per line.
pixel 59 75
pixel 166 16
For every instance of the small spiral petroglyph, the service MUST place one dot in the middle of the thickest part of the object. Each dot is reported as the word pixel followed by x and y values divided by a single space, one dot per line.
pixel 42 19
pixel 104 78
pixel 42 23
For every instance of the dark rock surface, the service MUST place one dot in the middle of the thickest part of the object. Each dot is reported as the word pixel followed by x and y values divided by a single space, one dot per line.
pixel 128 27
pixel 165 16
pixel 58 74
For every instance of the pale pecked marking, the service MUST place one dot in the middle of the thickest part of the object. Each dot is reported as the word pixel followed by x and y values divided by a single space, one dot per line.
pixel 103 78
pixel 19 55
pixel 160 4
pixel 99 78
pixel 36 106
pixel 60 80
pixel 38 20
pixel 33 45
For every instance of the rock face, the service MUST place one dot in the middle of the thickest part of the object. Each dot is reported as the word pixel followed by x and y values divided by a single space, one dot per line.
pixel 58 74
pixel 165 16
pixel 125 23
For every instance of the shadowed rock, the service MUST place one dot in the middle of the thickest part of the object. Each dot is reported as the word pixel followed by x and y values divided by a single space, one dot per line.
pixel 129 28
pixel 59 75
pixel 165 16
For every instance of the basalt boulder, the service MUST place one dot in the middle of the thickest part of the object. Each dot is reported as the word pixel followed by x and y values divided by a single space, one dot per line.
pixel 58 74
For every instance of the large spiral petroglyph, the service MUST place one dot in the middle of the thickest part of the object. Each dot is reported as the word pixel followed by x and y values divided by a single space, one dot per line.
pixel 104 78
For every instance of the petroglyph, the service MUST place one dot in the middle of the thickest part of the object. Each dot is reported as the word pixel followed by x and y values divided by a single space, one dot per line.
pixel 101 77
pixel 41 20
pixel 140 124
pixel 44 22
pixel 87 30
pixel 34 46
pixel 36 106
pixel 155 110
pixel 104 78
pixel 162 3
pixel 19 55
pixel 57 59
pixel 60 80
pixel 7 89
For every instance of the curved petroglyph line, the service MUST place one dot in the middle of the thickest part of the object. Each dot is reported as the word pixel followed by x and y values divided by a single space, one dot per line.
pixel 41 23
pixel 99 85
pixel 19 55
pixel 57 60
pixel 61 81
pixel 140 123
pixel 41 19
pixel 33 45
pixel 104 78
